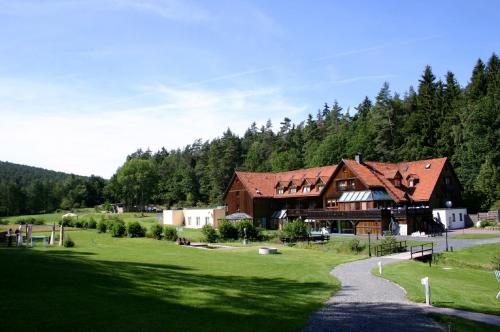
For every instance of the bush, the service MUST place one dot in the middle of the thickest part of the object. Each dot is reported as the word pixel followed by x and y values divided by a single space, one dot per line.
pixel 252 232
pixel 295 230
pixel 227 230
pixel 134 229
pixel 209 234
pixel 355 246
pixel 485 223
pixel 67 221
pixel 4 222
pixel 30 221
pixel 117 229
pixel 78 224
pixel 170 233
pixel 91 223
pixel 68 243
pixel 102 226
pixel 156 231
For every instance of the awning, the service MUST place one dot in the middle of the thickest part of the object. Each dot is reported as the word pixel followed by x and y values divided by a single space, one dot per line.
pixel 238 216
pixel 279 214
pixel 365 195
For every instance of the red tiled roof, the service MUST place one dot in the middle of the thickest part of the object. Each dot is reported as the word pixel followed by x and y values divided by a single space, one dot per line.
pixel 266 183
pixel 372 174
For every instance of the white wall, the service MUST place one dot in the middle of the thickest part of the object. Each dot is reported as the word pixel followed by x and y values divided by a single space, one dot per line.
pixel 450 218
pixel 193 218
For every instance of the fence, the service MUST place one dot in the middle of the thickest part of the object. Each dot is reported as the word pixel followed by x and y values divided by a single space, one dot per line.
pixel 422 249
pixel 389 248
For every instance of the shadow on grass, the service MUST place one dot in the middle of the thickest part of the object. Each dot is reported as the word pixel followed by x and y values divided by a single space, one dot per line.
pixel 66 291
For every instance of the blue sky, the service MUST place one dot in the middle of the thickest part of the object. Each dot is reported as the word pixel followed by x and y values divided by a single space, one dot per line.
pixel 85 82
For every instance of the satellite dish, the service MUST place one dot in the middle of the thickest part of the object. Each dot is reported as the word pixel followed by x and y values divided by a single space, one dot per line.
pixel 448 204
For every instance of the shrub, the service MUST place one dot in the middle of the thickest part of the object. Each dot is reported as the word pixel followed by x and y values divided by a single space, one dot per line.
pixel 252 232
pixel 68 243
pixel 156 231
pixel 485 223
pixel 170 233
pixel 209 234
pixel 134 229
pixel 91 223
pixel 227 230
pixel 102 226
pixel 4 222
pixel 31 221
pixel 355 246
pixel 67 221
pixel 295 229
pixel 78 224
pixel 117 229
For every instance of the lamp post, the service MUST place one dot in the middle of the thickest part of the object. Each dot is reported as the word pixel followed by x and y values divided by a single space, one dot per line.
pixel 369 245
pixel 446 236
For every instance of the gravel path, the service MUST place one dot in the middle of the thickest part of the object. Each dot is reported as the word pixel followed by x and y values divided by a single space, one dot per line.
pixel 369 303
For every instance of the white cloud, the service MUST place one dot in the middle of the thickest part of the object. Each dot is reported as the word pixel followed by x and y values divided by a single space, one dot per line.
pixel 95 142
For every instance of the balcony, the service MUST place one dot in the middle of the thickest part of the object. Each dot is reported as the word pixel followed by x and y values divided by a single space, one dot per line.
pixel 375 214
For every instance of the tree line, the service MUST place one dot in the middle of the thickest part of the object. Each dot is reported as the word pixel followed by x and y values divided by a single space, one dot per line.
pixel 437 118
pixel 33 190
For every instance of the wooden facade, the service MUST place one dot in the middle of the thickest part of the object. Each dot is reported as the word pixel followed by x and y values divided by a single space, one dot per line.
pixel 318 199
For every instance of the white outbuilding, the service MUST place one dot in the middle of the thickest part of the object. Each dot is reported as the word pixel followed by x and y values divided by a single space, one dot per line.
pixel 452 218
pixel 194 217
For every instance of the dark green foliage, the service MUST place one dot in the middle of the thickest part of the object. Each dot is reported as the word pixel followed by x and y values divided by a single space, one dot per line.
pixel 31 221
pixel 170 233
pixel 68 243
pixel 209 234
pixel 295 230
pixel 355 246
pixel 227 230
pixel 134 229
pixel 91 223
pixel 102 226
pixel 32 190
pixel 117 229
pixel 251 231
pixel 78 224
pixel 156 231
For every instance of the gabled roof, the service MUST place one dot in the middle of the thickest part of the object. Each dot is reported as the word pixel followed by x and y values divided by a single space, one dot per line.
pixel 373 175
pixel 264 184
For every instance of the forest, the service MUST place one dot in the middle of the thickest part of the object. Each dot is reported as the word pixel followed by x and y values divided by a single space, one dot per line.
pixel 436 118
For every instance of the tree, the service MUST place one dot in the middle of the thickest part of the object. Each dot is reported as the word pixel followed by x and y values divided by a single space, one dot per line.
pixel 137 180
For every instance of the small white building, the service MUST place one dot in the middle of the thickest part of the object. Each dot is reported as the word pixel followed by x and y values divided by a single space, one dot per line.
pixel 453 218
pixel 194 217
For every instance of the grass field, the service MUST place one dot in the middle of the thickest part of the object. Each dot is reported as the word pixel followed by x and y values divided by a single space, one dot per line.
pixel 463 279
pixel 476 236
pixel 126 284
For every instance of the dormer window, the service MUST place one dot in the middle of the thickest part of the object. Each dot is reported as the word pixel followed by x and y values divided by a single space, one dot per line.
pixel 411 183
pixel 320 187
pixel 397 183
pixel 306 189
pixel 280 190
pixel 293 189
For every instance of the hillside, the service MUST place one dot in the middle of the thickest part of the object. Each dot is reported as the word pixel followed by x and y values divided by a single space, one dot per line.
pixel 31 190
pixel 24 175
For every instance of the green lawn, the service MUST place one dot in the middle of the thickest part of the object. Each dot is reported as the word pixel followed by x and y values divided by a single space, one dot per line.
pixel 476 236
pixel 457 324
pixel 463 279
pixel 126 284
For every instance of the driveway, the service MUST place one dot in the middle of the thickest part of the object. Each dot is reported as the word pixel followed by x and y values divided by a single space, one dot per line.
pixel 369 303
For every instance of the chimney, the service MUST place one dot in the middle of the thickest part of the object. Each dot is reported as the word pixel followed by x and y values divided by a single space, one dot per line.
pixel 358 157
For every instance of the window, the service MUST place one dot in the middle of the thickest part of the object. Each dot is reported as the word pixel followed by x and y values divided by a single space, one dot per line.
pixel 364 205
pixel 197 221
pixel 189 220
pixel 397 182
pixel 447 180
pixel 207 220
pixel 352 184
pixel 320 187
pixel 237 207
pixel 342 185
pixel 280 191
pixel 293 189
pixel 453 217
pixel 411 184
pixel 306 189
pixel 237 194
pixel 331 203
pixel 461 217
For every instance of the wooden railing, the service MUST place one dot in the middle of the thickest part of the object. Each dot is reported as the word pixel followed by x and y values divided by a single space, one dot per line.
pixel 389 248
pixel 422 249
pixel 339 215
